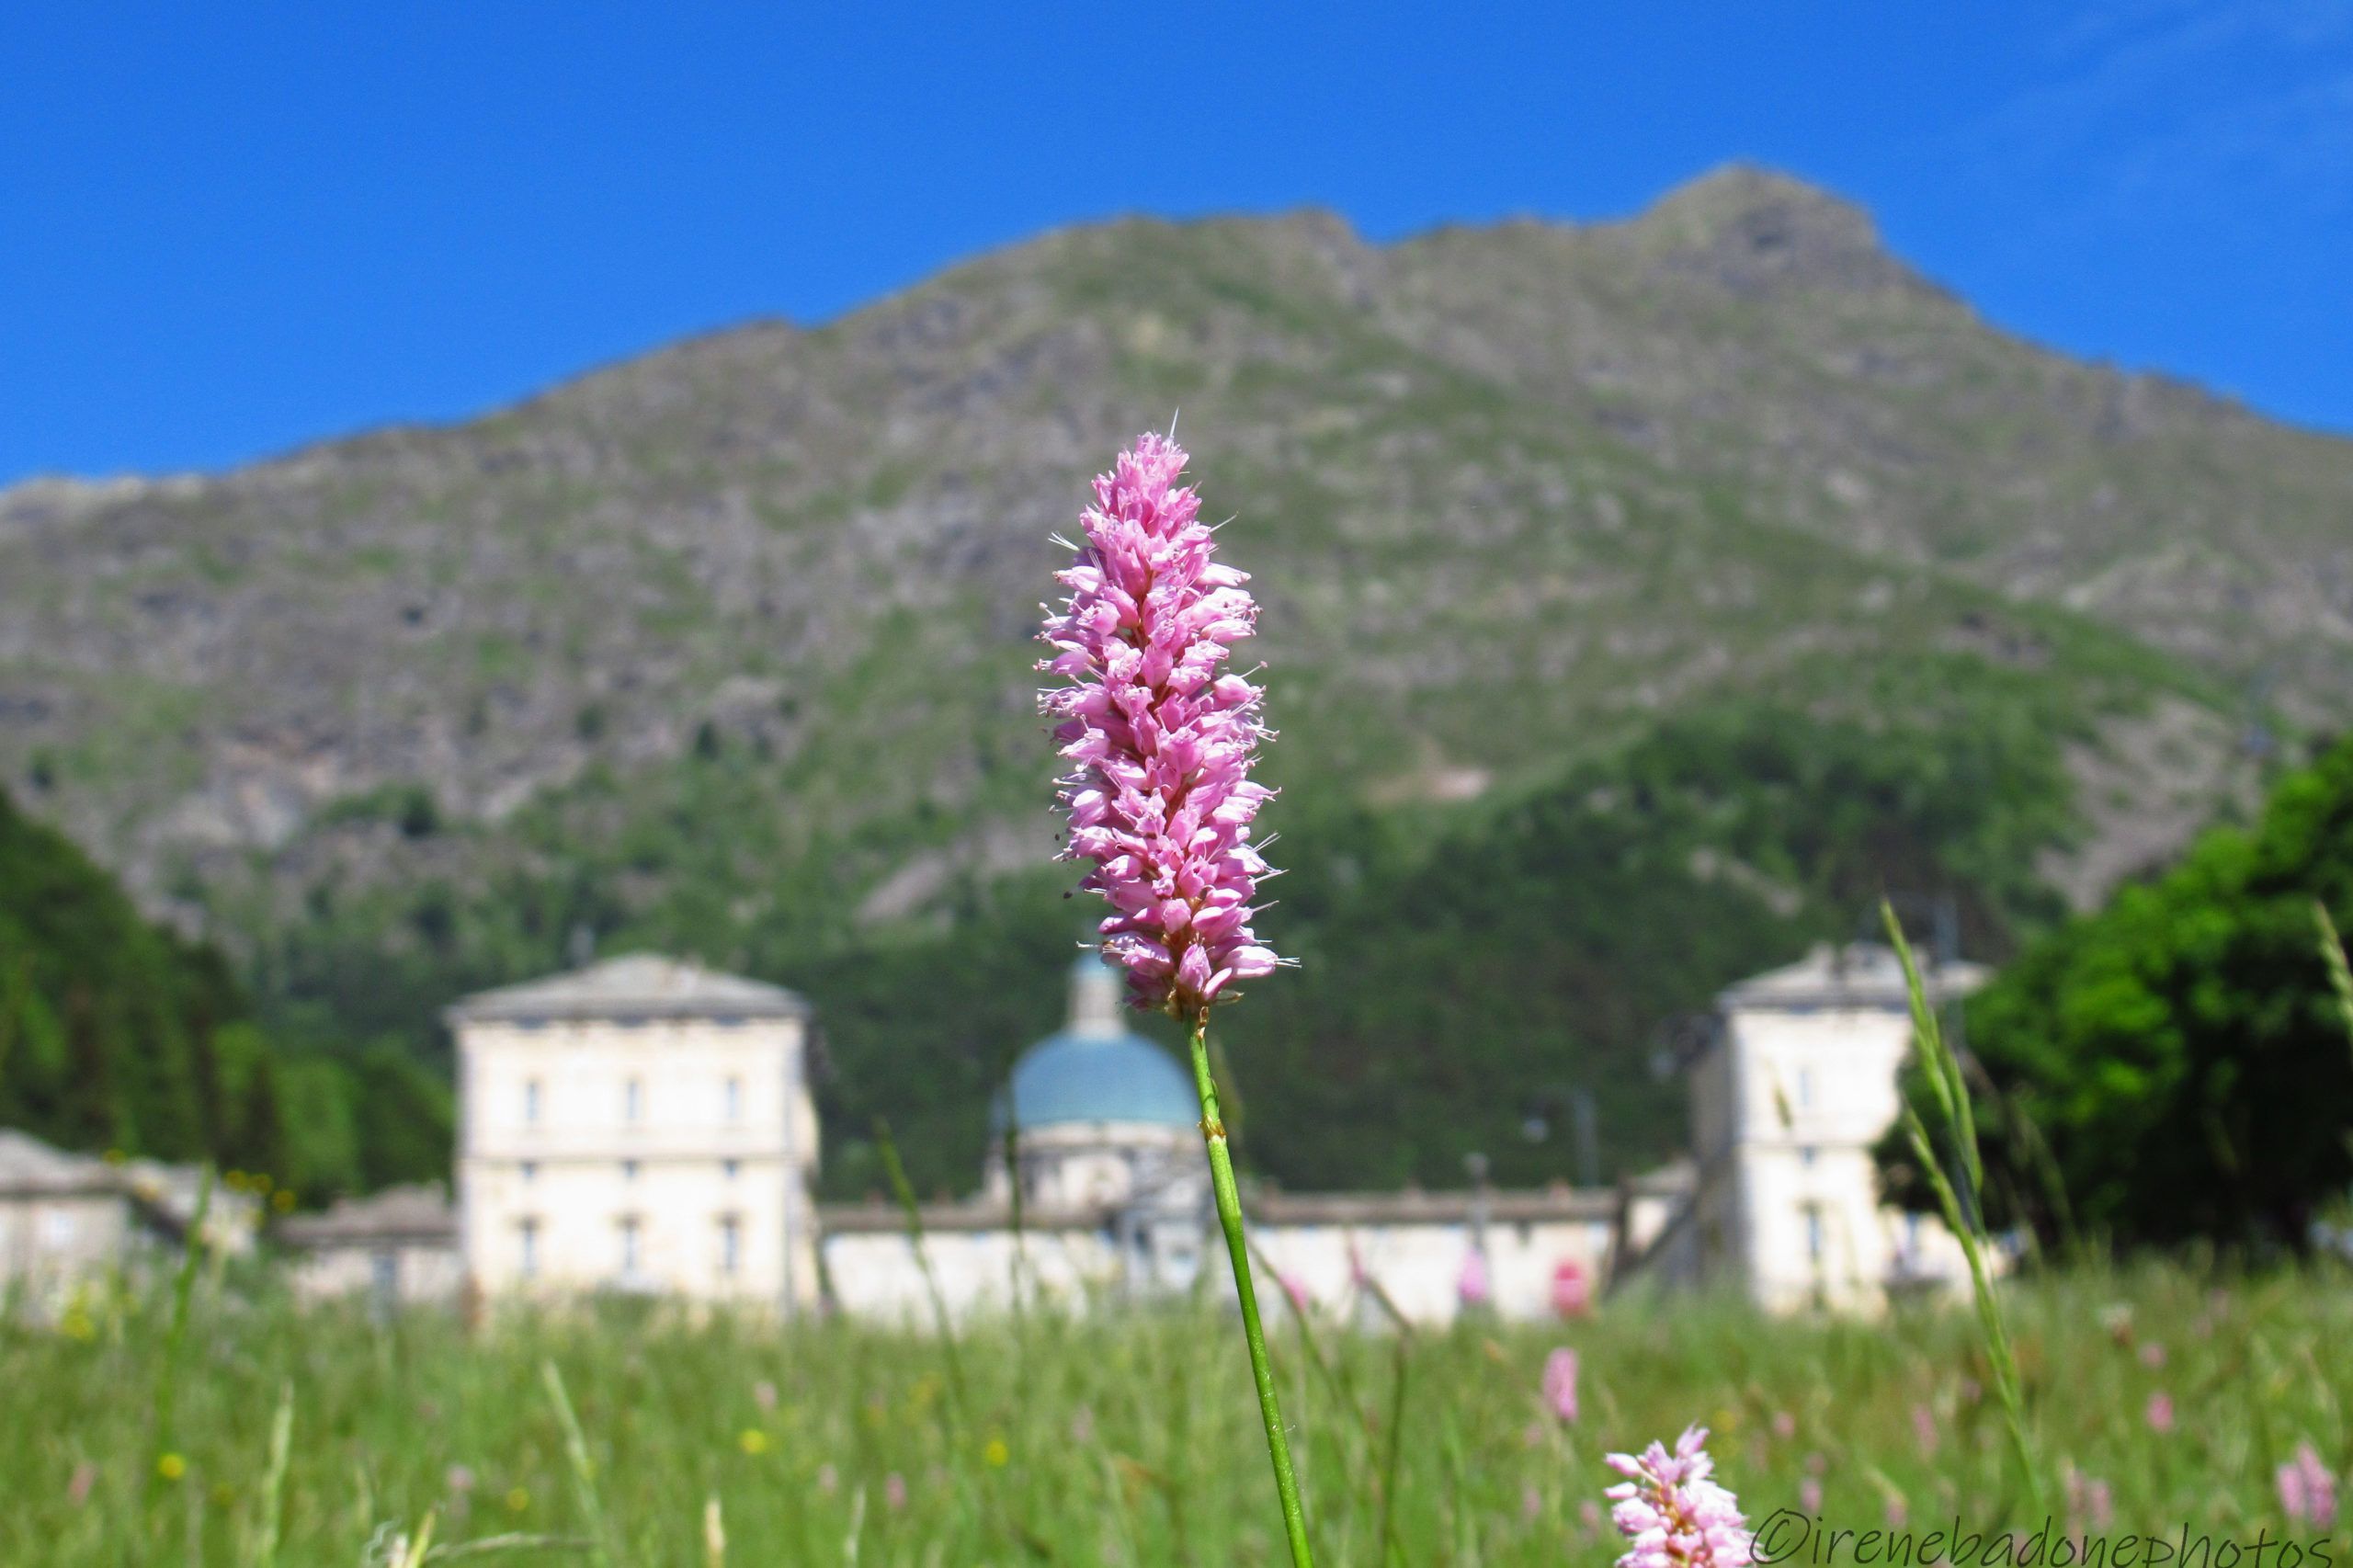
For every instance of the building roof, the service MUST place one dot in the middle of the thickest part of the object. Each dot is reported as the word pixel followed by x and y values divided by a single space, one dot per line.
pixel 419 1213
pixel 1861 975
pixel 1071 1077
pixel 1096 1069
pixel 28 1166
pixel 636 986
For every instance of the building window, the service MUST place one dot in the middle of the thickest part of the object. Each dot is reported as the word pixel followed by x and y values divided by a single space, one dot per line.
pixel 729 1168
pixel 57 1230
pixel 632 1101
pixel 530 1233
pixel 1806 1086
pixel 629 1245
pixel 531 1169
pixel 1813 1233
pixel 734 1099
pixel 731 1244
pixel 1806 1151
pixel 531 1100
pixel 629 1170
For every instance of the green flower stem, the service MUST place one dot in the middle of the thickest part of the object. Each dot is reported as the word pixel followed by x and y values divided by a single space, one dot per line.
pixel 1229 1214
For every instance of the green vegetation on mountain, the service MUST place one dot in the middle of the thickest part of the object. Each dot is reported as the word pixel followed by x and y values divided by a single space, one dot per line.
pixel 1456 978
pixel 116 1034
pixel 2177 1064
pixel 726 650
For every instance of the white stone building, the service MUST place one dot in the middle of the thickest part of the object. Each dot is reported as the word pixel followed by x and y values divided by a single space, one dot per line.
pixel 398 1246
pixel 67 1218
pixel 641 1125
pixel 1796 1085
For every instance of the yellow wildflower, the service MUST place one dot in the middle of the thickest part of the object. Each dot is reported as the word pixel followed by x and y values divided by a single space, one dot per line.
pixel 753 1441
pixel 171 1467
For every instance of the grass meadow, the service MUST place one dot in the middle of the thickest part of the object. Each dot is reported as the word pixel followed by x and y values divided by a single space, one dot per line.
pixel 133 1439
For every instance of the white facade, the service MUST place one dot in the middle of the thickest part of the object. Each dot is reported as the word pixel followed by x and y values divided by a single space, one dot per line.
pixel 643 1126
pixel 1540 1254
pixel 1797 1086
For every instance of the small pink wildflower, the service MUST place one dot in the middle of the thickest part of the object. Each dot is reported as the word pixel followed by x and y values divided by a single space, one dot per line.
pixel 1160 743
pixel 2152 1355
pixel 1897 1512
pixel 2090 1502
pixel 1472 1284
pixel 763 1395
pixel 1560 1383
pixel 2160 1413
pixel 1923 1430
pixel 894 1491
pixel 2307 1490
pixel 828 1478
pixel 1531 1502
pixel 1785 1426
pixel 1809 1496
pixel 1296 1289
pixel 1589 1513
pixel 1673 1514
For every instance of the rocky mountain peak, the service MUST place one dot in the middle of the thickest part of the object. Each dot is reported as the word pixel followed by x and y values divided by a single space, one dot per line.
pixel 1757 231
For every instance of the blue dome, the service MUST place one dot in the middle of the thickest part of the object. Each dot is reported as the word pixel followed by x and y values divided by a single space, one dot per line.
pixel 1085 1077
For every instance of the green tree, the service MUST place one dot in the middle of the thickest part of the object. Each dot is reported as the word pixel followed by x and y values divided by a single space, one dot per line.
pixel 2173 1067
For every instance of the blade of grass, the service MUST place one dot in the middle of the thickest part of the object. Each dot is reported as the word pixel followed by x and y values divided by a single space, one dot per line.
pixel 2332 953
pixel 167 1379
pixel 273 1481
pixel 906 1193
pixel 1943 1073
pixel 583 1469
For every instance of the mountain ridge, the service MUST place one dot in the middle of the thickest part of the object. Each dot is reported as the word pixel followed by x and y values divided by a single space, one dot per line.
pixel 1657 416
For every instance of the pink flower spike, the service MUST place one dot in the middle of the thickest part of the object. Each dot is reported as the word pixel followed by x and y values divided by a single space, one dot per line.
pixel 2307 1490
pixel 1160 739
pixel 1560 1383
pixel 1673 1514
pixel 2160 1413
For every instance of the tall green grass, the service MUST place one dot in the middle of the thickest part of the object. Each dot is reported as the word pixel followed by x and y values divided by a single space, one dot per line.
pixel 316 1439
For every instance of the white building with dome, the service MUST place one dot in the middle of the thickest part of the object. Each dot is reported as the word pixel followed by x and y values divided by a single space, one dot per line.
pixel 1101 1114
pixel 1116 1207
pixel 646 1125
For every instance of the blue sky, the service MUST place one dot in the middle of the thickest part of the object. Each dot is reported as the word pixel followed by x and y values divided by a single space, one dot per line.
pixel 228 230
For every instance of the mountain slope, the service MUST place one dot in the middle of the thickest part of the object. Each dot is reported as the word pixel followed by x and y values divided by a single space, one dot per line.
pixel 726 647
